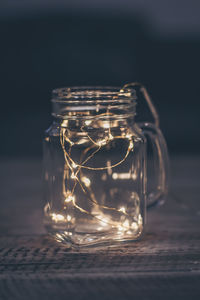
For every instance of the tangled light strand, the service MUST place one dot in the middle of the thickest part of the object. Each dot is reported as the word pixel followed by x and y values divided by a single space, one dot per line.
pixel 77 168
pixel 73 165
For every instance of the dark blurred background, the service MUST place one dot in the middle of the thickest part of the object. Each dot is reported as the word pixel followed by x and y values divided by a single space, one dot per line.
pixel 48 44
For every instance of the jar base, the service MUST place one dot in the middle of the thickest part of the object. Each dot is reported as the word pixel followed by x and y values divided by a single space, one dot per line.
pixel 78 240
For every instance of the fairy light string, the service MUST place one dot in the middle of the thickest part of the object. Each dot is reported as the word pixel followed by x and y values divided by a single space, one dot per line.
pixel 76 168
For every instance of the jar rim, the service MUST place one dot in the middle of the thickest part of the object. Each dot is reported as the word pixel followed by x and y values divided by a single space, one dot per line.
pixel 89 93
pixel 96 99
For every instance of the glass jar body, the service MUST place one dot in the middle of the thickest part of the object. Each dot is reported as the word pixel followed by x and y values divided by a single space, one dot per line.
pixel 95 181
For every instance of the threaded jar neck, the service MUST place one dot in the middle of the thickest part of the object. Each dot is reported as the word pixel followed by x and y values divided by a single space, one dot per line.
pixel 89 102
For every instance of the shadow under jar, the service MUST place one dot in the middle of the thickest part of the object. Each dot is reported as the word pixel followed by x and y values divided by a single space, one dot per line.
pixel 95 174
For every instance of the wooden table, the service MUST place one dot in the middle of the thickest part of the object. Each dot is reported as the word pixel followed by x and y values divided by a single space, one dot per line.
pixel 164 264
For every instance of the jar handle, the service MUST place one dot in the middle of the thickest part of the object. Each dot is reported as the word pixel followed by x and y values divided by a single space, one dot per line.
pixel 154 134
pixel 143 90
pixel 161 162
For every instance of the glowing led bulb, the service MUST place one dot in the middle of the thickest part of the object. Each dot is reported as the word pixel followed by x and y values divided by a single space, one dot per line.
pixel 134 226
pixel 74 166
pixel 70 198
pixel 128 136
pixel 126 224
pixel 69 218
pixel 122 209
pixel 57 217
pixel 73 176
pixel 115 176
pixel 86 181
pixel 101 143
pixel 88 122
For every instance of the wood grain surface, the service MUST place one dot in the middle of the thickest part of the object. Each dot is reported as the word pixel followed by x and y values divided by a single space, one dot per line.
pixel 164 264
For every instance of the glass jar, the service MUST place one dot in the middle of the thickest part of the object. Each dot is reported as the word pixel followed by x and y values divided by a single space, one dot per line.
pixel 95 166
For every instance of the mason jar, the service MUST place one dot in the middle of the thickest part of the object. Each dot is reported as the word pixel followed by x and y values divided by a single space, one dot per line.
pixel 95 166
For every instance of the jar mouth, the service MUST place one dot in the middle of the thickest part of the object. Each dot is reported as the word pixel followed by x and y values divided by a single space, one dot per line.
pixel 90 101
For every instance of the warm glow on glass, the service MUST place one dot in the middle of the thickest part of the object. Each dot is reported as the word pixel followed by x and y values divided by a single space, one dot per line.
pixel 85 183
pixel 95 173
